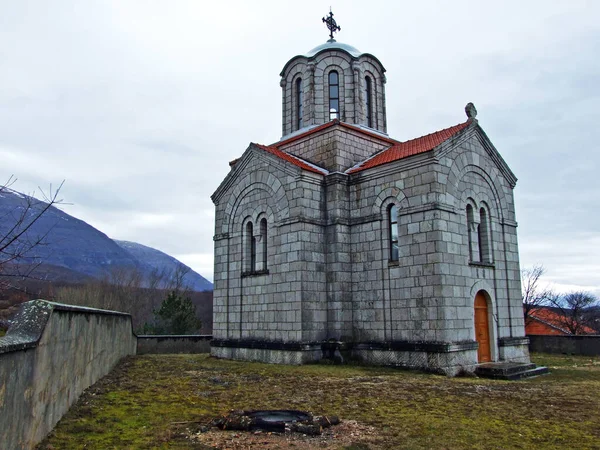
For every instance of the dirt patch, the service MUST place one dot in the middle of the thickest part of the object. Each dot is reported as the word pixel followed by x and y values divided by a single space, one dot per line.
pixel 349 433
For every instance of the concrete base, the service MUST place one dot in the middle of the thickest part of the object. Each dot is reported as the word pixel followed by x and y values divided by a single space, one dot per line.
pixel 448 358
pixel 308 353
pixel 439 357
pixel 514 349
pixel 450 364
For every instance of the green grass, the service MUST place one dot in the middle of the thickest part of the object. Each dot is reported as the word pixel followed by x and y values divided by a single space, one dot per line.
pixel 154 402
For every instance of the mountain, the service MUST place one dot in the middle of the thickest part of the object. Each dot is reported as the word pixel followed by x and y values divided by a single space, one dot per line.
pixel 71 246
pixel 160 261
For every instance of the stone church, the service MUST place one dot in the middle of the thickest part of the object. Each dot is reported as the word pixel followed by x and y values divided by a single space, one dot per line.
pixel 340 240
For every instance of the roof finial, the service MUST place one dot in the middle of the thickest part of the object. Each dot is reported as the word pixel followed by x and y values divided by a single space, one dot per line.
pixel 471 111
pixel 331 24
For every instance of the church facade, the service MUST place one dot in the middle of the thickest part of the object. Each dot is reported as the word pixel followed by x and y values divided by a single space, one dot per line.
pixel 340 240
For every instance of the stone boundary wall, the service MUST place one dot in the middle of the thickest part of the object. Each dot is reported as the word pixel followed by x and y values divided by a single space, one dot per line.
pixel 49 356
pixel 571 345
pixel 173 344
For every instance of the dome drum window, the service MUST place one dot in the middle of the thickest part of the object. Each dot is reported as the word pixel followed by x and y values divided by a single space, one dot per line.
pixel 369 102
pixel 299 104
pixel 334 95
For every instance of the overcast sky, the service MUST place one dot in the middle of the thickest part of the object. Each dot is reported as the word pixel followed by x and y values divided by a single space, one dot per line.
pixel 139 105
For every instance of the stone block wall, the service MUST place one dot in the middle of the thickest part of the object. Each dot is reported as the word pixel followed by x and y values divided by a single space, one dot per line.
pixel 274 303
pixel 49 356
pixel 337 148
pixel 428 294
pixel 330 275
pixel 569 345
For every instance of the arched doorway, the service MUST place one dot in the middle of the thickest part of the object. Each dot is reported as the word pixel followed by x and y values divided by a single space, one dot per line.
pixel 482 328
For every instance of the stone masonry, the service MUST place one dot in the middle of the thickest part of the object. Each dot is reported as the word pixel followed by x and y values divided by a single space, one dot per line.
pixel 304 265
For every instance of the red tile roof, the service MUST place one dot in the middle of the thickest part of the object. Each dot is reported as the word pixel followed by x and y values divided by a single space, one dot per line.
pixel 397 151
pixel 292 159
pixel 553 319
pixel 409 148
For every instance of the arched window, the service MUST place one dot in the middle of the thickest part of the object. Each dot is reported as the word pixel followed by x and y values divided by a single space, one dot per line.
pixel 334 95
pixel 470 221
pixel 250 248
pixel 369 103
pixel 299 103
pixel 263 241
pixel 483 236
pixel 393 232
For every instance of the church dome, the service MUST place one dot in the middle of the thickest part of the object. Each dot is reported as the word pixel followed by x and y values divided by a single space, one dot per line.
pixel 333 81
pixel 332 44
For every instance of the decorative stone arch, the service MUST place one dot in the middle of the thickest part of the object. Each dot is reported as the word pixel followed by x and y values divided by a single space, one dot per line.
pixel 298 68
pixel 246 185
pixel 486 288
pixel 470 201
pixel 325 61
pixel 389 194
pixel 464 164
pixel 496 204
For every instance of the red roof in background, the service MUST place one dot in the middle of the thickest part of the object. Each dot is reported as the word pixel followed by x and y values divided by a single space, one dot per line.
pixel 409 148
pixel 292 159
pixel 553 318
pixel 397 151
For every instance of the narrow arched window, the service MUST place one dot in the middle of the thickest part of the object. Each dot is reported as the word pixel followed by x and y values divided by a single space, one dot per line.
pixel 483 236
pixel 369 103
pixel 250 248
pixel 263 241
pixel 470 222
pixel 299 103
pixel 334 95
pixel 393 232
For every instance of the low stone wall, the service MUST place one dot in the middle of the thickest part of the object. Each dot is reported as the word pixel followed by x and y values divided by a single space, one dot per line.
pixel 570 345
pixel 49 356
pixel 173 344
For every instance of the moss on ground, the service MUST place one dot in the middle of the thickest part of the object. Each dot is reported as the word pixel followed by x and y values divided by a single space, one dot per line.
pixel 149 401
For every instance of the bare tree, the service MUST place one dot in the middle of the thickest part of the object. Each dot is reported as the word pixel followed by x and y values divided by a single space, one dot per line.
pixel 18 244
pixel 574 309
pixel 534 295
pixel 128 289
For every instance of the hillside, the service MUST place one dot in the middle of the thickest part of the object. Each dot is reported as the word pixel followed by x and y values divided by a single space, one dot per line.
pixel 74 247
pixel 161 261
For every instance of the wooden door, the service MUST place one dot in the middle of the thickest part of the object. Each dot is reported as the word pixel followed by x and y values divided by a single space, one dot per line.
pixel 482 329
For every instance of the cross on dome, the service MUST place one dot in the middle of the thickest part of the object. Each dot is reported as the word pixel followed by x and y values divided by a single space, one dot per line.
pixel 331 24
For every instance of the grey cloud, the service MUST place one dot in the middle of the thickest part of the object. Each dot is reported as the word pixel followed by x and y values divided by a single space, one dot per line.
pixel 140 105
